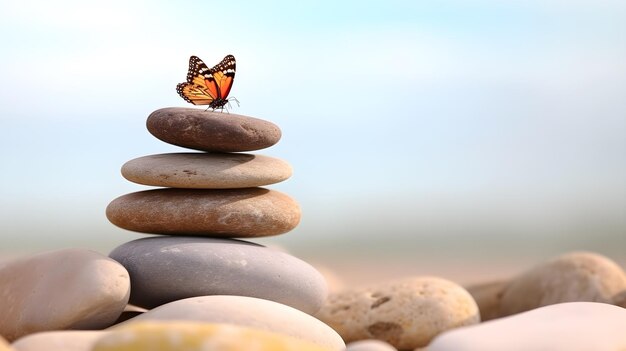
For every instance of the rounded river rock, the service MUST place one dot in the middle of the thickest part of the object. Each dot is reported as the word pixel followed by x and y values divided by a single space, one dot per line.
pixel 212 131
pixel 249 312
pixel 247 212
pixel 201 170
pixel 164 269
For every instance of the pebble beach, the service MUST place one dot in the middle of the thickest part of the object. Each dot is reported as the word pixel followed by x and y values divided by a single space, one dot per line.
pixel 199 281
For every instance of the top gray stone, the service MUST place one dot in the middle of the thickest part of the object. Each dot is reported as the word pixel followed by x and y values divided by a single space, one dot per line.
pixel 211 131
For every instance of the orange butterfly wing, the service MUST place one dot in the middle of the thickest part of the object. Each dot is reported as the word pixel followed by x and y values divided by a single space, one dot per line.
pixel 206 86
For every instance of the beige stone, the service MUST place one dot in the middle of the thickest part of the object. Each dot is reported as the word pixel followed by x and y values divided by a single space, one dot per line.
pixel 406 313
pixel 234 213
pixel 248 312
pixel 190 336
pixel 74 340
pixel 487 297
pixel 369 345
pixel 63 289
pixel 577 276
pixel 206 170
pixel 573 326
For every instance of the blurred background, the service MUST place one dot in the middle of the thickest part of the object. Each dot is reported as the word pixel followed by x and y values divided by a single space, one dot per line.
pixel 459 138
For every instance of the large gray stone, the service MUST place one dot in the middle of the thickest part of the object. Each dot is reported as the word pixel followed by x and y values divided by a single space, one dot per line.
pixel 165 269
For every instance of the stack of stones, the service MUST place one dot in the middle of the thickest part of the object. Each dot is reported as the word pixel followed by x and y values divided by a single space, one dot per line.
pixel 208 199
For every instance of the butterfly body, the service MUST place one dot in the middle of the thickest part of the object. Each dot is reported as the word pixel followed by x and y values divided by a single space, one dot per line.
pixel 208 86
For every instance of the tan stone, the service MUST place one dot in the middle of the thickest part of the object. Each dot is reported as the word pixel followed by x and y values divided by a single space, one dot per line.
pixel 63 289
pixel 487 297
pixel 206 170
pixel 407 313
pixel 190 336
pixel 577 276
pixel 4 346
pixel 74 340
pixel 249 212
pixel 211 131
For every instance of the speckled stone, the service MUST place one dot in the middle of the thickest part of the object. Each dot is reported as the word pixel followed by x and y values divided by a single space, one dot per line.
pixel 407 313
pixel 249 212
pixel 212 131
pixel 74 340
pixel 62 289
pixel 190 336
pixel 167 268
pixel 574 326
pixel 248 312
pixel 206 170
pixel 577 276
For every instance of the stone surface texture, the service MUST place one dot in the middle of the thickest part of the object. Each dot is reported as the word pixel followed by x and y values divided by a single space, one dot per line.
pixel 63 289
pixel 206 170
pixel 4 345
pixel 577 276
pixel 249 212
pixel 189 336
pixel 487 297
pixel 249 312
pixel 574 326
pixel 166 268
pixel 211 131
pixel 406 313
pixel 74 340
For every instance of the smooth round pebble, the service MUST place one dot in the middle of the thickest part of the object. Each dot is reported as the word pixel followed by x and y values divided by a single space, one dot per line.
pixel 249 212
pixel 165 268
pixel 74 340
pixel 249 312
pixel 577 276
pixel 211 131
pixel 189 336
pixel 369 345
pixel 206 170
pixel 407 313
pixel 574 326
pixel 63 289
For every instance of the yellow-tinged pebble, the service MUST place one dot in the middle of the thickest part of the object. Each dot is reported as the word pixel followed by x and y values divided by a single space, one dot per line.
pixel 190 336
pixel 4 346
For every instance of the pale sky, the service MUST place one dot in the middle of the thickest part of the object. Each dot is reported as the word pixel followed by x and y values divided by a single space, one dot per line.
pixel 415 120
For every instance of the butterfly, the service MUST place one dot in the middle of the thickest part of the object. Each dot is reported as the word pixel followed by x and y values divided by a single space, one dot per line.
pixel 206 86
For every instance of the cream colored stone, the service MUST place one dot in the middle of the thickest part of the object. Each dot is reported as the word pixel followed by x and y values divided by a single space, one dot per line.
pixel 206 170
pixel 190 336
pixel 248 312
pixel 407 313
pixel 74 340
pixel 577 276
pixel 369 345
pixel 63 289
pixel 574 326
pixel 487 297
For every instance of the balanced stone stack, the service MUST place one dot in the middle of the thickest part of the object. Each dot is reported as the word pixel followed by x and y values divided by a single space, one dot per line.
pixel 206 200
